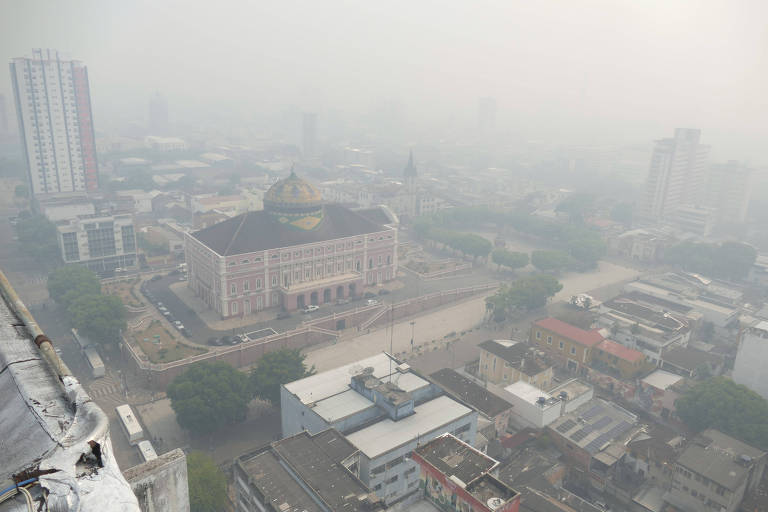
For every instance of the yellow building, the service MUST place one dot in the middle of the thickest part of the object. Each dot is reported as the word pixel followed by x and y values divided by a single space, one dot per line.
pixel 569 346
pixel 505 362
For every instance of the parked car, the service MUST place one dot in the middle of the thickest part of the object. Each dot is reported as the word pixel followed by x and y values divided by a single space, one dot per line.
pixel 373 302
pixel 283 314
pixel 342 301
pixel 226 340
pixel 179 325
pixel 369 295
pixel 177 322
pixel 184 332
pixel 155 278
pixel 213 340
pixel 383 291
pixel 310 308
pixel 167 313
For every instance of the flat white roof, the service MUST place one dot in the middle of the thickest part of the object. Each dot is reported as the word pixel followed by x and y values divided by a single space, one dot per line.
pixel 386 435
pixel 661 379
pixel 332 382
pixel 342 405
pixel 526 391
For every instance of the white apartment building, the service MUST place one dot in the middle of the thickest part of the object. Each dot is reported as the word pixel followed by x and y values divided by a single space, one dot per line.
pixel 53 106
pixel 384 410
pixel 100 242
pixel 752 359
pixel 677 174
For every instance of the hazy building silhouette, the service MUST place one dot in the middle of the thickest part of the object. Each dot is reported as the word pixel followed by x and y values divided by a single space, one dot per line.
pixel 309 134
pixel 677 174
pixel 158 115
pixel 3 115
pixel 729 191
pixel 53 106
pixel 486 114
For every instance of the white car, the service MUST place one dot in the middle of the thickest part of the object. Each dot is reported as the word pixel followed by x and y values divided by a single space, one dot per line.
pixel 373 302
pixel 310 308
pixel 178 325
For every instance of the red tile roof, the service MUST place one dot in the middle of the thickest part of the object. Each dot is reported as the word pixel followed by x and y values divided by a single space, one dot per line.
pixel 573 333
pixel 620 351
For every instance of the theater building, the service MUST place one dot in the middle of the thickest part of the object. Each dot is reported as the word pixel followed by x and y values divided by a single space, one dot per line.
pixel 295 252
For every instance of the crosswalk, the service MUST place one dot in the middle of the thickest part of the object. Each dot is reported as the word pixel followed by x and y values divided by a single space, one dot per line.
pixel 107 392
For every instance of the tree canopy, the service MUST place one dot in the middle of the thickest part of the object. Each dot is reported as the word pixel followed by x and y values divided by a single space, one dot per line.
pixel 729 260
pixel 524 294
pixel 207 484
pixel 583 244
pixel 509 259
pixel 276 368
pixel 100 317
pixel 208 396
pixel 39 240
pixel 69 282
pixel 623 212
pixel 550 261
pixel 731 408
pixel 577 206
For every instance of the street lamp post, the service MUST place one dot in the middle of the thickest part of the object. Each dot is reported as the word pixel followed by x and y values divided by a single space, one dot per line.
pixel 413 322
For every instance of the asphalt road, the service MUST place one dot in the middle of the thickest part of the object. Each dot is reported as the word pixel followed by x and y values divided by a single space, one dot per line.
pixel 200 332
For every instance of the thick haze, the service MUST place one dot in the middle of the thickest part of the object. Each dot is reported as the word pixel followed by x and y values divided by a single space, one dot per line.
pixel 594 72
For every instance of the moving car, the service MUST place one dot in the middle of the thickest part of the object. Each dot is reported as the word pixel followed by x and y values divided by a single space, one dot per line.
pixel 283 314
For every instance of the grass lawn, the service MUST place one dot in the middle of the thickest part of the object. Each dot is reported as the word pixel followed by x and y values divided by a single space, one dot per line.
pixel 160 347
pixel 122 289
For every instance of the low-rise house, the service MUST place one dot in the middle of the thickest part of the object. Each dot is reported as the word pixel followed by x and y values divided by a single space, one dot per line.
pixel 614 358
pixel 304 472
pixel 714 472
pixel 455 476
pixel 534 408
pixel 593 438
pixel 646 323
pixel 493 411
pixel 507 361
pixel 691 362
pixel 658 392
pixel 569 346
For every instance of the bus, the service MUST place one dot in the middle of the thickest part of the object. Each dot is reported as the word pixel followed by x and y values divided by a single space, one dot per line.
pixel 130 424
pixel 94 362
pixel 147 451
pixel 91 354
pixel 81 340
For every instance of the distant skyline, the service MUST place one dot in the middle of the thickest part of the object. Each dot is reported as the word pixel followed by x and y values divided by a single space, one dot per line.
pixel 587 72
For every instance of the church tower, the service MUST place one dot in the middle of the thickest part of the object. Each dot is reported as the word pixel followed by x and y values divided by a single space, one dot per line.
pixel 409 176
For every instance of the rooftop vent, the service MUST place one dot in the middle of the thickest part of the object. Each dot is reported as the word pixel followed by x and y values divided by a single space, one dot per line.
pixel 494 503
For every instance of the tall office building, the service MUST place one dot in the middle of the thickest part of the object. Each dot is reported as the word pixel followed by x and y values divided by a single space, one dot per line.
pixel 158 115
pixel 53 106
pixel 309 134
pixel 729 191
pixel 3 116
pixel 486 114
pixel 677 175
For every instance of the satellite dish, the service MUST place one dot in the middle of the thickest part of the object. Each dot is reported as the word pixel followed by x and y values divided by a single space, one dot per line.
pixel 494 503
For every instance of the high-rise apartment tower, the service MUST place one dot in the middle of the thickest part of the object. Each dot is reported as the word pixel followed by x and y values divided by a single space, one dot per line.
pixel 53 106
pixel 677 175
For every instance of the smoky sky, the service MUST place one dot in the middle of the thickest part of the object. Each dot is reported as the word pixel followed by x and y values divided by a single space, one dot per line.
pixel 569 71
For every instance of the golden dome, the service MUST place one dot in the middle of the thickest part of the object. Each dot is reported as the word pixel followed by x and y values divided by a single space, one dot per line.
pixel 293 201
pixel 292 193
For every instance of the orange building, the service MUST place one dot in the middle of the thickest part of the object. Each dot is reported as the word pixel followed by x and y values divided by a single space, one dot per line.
pixel 618 359
pixel 568 345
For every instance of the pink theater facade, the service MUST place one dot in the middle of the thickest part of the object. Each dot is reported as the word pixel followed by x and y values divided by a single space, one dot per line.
pixel 291 277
